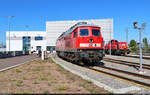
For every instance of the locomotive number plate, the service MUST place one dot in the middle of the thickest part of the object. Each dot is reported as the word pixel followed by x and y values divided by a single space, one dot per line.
pixel 91 45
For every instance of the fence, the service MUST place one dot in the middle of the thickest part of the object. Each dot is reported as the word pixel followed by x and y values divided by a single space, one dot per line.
pixel 5 54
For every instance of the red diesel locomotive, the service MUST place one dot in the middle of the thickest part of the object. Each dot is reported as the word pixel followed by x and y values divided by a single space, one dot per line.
pixel 81 43
pixel 117 48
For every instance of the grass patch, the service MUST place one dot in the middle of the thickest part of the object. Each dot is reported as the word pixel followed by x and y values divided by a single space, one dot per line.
pixel 62 87
pixel 46 92
pixel 60 68
pixel 44 61
pixel 54 81
pixel 97 92
pixel 13 80
pixel 89 81
pixel 110 92
pixel 44 77
pixel 19 83
pixel 38 68
pixel 35 82
pixel 23 78
pixel 51 61
pixel 49 73
pixel 72 79
pixel 83 84
pixel 27 91
pixel 49 84
pixel 91 89
pixel 18 71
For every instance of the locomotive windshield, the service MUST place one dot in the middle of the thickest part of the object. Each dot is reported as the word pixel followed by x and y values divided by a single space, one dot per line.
pixel 84 32
pixel 95 32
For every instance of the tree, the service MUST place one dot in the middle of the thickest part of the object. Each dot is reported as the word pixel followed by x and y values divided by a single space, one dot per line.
pixel 133 45
pixel 145 42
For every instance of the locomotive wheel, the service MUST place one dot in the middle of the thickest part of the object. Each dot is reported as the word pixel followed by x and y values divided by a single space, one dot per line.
pixel 81 63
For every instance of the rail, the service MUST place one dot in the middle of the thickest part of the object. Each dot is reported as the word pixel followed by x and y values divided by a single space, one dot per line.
pixel 122 77
pixel 115 61
pixel 148 58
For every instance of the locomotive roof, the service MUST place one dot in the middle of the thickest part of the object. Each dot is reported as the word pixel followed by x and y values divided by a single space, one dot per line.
pixel 74 27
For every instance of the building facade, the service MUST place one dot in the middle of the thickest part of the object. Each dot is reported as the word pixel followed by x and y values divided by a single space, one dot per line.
pixel 25 40
pixel 55 28
pixel 34 40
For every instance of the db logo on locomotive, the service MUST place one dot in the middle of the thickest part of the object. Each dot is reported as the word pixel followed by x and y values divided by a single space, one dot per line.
pixel 91 44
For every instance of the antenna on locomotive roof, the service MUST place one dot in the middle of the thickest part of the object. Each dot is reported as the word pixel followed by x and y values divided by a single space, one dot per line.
pixel 81 23
pixel 78 24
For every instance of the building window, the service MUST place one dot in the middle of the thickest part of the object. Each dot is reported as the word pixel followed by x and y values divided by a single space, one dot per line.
pixel 26 43
pixel 38 38
pixel 51 48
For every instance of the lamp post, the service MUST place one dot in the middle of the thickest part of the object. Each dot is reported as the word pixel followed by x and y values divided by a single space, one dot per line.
pixel 140 40
pixel 28 37
pixel 27 28
pixel 110 41
pixel 127 35
pixel 9 17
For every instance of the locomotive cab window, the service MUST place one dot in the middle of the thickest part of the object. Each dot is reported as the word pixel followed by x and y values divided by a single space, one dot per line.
pixel 95 32
pixel 84 32
pixel 75 34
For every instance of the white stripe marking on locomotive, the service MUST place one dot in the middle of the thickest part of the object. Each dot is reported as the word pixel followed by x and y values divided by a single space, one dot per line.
pixel 88 45
pixel 84 45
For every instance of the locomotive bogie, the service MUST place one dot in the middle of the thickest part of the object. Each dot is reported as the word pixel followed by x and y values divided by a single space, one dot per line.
pixel 86 56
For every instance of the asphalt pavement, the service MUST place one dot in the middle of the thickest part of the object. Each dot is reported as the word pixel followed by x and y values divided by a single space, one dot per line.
pixel 7 63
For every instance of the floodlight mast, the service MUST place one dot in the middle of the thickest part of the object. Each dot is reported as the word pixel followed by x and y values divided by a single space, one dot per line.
pixel 140 40
pixel 9 17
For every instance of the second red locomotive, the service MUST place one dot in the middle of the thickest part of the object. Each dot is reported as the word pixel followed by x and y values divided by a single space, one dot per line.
pixel 117 48
pixel 82 42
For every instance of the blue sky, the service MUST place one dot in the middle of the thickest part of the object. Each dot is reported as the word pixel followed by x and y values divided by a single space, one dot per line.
pixel 35 13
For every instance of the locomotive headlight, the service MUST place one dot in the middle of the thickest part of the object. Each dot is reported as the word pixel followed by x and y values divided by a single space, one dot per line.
pixel 91 40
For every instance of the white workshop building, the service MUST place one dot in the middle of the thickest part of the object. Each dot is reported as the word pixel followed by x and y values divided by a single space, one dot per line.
pixel 25 40
pixel 56 28
pixel 46 40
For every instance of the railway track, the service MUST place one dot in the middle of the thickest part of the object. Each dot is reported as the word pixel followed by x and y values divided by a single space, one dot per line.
pixel 148 58
pixel 125 72
pixel 134 64
pixel 144 84
pixel 123 76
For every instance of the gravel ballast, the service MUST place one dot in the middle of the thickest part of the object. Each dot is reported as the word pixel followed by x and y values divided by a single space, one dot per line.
pixel 125 67
pixel 145 61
